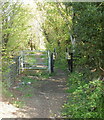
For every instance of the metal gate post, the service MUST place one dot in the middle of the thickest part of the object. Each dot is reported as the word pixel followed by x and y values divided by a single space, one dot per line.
pixel 19 65
pixel 49 62
pixel 22 61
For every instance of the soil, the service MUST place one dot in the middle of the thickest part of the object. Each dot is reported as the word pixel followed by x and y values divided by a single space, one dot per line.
pixel 47 100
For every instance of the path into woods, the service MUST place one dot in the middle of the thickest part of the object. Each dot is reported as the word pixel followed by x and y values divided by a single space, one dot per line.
pixel 47 100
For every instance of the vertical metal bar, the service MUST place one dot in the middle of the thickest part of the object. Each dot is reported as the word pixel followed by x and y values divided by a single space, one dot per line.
pixel 19 65
pixel 22 61
pixel 49 62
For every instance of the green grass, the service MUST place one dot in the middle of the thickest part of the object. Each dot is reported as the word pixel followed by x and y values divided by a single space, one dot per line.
pixel 28 95
pixel 26 79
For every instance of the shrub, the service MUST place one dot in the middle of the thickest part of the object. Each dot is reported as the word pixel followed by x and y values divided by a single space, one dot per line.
pixel 85 100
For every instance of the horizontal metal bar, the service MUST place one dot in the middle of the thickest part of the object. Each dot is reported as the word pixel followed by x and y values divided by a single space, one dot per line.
pixel 34 54
pixel 35 64
pixel 33 51
pixel 35 67
pixel 36 59
pixel 41 58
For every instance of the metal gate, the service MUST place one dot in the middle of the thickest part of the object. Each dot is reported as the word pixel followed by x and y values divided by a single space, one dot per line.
pixel 35 60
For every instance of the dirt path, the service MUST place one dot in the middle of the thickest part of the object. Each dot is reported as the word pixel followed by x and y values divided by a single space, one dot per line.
pixel 47 100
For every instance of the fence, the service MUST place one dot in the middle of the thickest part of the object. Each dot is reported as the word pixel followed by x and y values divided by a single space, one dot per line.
pixel 11 71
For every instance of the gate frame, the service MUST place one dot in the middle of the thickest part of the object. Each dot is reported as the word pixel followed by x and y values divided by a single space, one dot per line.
pixel 49 58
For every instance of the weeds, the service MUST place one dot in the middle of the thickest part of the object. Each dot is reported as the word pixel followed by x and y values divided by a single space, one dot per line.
pixel 85 99
pixel 5 90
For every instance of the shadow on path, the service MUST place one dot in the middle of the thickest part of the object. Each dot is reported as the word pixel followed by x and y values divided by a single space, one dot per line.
pixel 47 100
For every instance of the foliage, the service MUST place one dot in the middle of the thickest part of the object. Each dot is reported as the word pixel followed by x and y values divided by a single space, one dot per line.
pixel 14 34
pixel 74 81
pixel 60 64
pixel 15 20
pixel 55 29
pixel 85 89
pixel 85 99
pixel 87 30
pixel 77 26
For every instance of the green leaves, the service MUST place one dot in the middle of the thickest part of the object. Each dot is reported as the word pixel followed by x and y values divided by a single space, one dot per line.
pixel 15 25
pixel 87 30
pixel 84 100
pixel 56 30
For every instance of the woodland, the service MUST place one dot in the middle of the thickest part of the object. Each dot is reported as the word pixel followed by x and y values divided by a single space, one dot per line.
pixel 74 27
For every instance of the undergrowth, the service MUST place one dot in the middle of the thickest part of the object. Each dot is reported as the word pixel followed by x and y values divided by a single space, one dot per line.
pixel 85 99
pixel 61 64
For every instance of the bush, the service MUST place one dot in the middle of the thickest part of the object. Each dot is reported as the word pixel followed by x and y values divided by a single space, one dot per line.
pixel 85 100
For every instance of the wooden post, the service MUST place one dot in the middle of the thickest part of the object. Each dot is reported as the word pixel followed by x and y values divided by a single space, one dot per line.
pixel 52 62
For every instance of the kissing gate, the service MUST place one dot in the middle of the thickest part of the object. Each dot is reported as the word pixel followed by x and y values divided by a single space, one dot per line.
pixel 35 60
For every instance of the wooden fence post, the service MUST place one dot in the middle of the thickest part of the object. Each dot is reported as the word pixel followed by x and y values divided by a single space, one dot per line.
pixel 52 63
